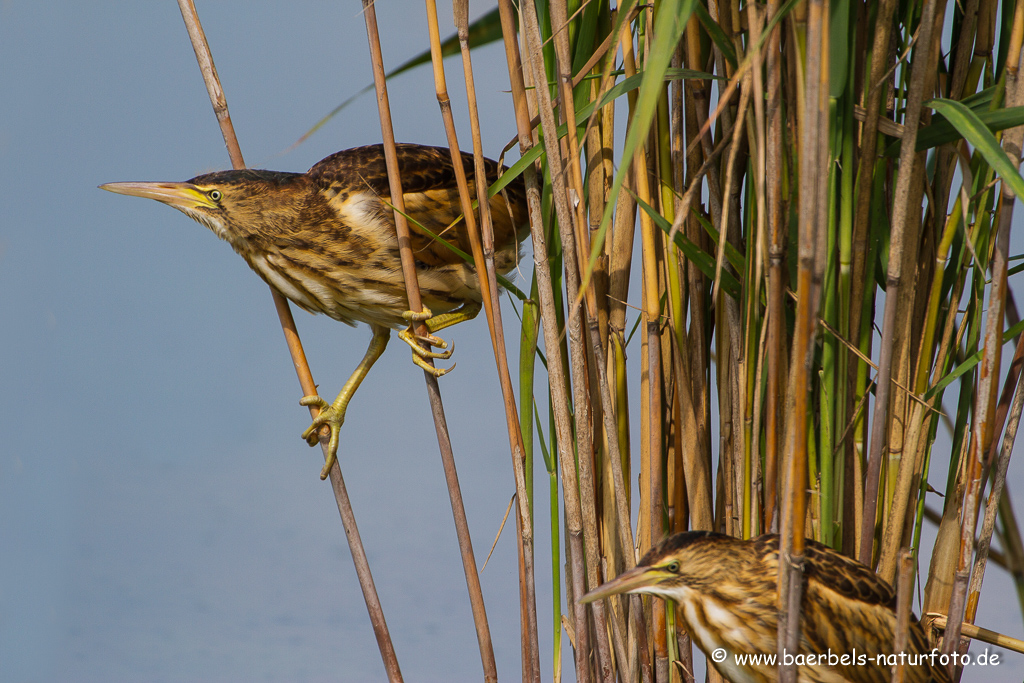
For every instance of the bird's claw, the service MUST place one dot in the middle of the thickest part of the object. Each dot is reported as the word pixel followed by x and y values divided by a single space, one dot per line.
pixel 329 416
pixel 431 339
pixel 436 372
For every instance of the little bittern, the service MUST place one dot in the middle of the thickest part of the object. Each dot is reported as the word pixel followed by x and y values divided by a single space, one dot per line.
pixel 727 593
pixel 325 239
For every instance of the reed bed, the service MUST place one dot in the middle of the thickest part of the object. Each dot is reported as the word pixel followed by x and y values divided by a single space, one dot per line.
pixel 816 199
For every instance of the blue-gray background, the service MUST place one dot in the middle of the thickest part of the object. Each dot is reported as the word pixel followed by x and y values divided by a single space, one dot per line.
pixel 160 520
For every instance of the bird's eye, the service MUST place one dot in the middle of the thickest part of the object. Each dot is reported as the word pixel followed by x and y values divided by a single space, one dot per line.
pixel 673 567
pixel 215 195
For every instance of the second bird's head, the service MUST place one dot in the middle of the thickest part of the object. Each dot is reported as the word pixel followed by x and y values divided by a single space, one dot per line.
pixel 681 563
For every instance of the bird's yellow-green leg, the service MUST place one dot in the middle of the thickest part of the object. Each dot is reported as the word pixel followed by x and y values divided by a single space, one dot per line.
pixel 467 311
pixel 333 414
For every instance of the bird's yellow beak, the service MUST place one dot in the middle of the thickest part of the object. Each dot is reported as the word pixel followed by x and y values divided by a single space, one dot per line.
pixel 627 582
pixel 178 195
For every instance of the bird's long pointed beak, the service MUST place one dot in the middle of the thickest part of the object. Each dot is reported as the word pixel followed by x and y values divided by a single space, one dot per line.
pixel 627 582
pixel 178 195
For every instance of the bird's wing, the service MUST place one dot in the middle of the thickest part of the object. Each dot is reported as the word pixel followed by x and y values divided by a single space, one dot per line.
pixel 849 578
pixel 848 609
pixel 431 196
pixel 830 573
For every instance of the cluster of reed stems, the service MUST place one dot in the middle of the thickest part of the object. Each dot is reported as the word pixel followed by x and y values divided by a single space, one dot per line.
pixel 814 199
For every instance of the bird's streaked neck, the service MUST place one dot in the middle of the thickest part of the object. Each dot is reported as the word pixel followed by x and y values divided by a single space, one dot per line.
pixel 214 223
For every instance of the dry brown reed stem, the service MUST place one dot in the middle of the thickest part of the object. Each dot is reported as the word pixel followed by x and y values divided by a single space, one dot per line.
pixel 982 634
pixel 569 228
pixel 690 357
pixel 992 506
pixel 982 432
pixel 584 71
pixel 688 364
pixel 348 519
pixel 483 257
pixel 619 547
pixel 694 354
pixel 872 99
pixel 673 169
pixel 577 233
pixel 362 566
pixel 549 321
pixel 528 592
pixel 433 391
pixel 572 488
pixel 946 154
pixel 904 598
pixel 1013 376
pixel 811 225
pixel 728 327
pixel 652 379
pixel 521 100
pixel 902 220
pixel 611 282
pixel 757 134
pixel 730 357
pixel 728 214
pixel 964 49
pixel 1000 559
pixel 906 475
pixel 775 312
pixel 907 424
pixel 1013 548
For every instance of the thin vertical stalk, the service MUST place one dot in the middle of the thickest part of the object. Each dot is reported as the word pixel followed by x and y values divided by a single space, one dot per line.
pixel 694 355
pixel 573 231
pixel 992 507
pixel 433 390
pixel 901 209
pixel 483 257
pixel 904 596
pixel 549 321
pixel 812 224
pixel 775 314
pixel 298 355
pixel 757 330
pixel 988 380
pixel 866 186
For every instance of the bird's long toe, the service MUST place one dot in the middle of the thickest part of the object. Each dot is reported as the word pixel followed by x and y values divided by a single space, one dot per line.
pixel 413 340
pixel 332 416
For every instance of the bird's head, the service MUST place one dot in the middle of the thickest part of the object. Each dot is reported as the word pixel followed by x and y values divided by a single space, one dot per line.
pixel 681 562
pixel 234 204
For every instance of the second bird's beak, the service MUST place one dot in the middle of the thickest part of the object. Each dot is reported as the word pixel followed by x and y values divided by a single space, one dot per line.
pixel 628 582
pixel 178 195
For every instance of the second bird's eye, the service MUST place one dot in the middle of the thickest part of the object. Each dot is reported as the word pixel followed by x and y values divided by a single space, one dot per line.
pixel 215 195
pixel 674 567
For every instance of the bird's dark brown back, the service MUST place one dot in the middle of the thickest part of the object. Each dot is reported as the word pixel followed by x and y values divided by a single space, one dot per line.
pixel 431 196
pixel 848 608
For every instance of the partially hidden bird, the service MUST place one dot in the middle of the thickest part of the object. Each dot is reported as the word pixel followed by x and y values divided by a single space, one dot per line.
pixel 727 592
pixel 326 240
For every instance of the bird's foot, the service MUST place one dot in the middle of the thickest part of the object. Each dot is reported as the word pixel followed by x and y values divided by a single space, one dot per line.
pixel 331 415
pixel 420 354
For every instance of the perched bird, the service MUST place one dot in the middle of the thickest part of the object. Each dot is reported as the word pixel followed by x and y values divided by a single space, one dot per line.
pixel 325 239
pixel 727 592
